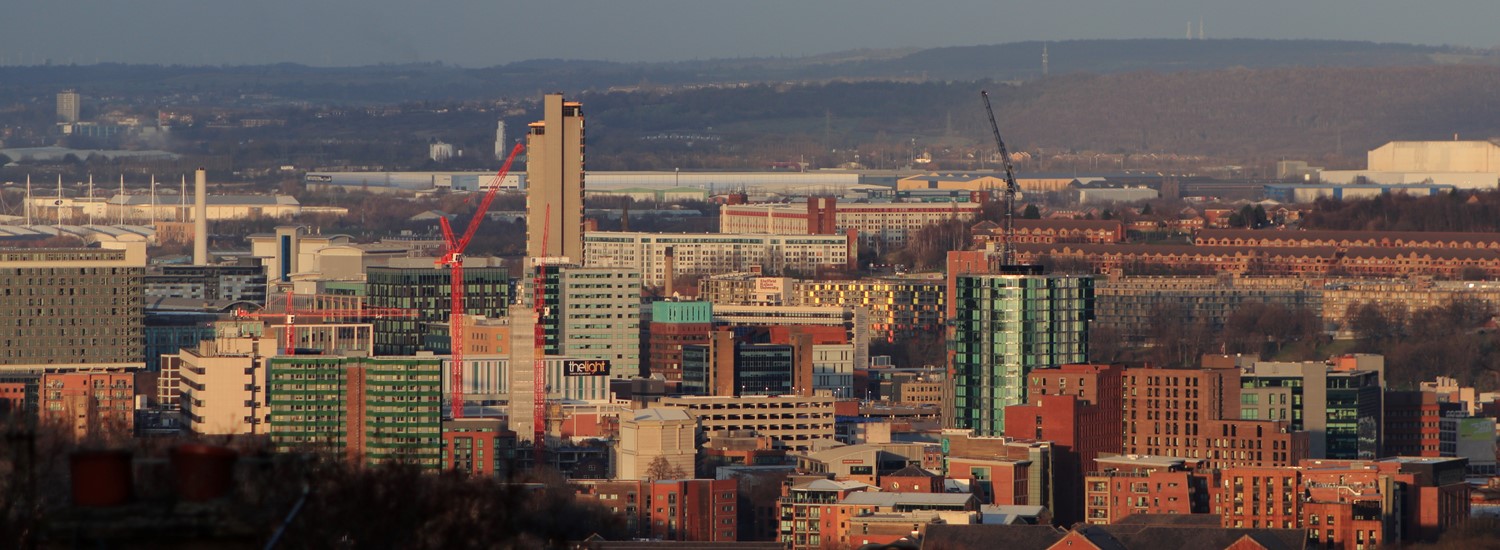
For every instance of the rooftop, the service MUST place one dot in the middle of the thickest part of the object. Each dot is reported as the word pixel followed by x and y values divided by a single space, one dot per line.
pixel 888 499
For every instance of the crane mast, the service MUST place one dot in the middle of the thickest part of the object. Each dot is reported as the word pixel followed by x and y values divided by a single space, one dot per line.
pixel 1008 226
pixel 453 259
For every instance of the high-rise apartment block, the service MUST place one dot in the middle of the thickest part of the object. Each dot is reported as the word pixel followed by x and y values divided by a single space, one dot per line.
pixel 372 409
pixel 69 105
pixel 1008 325
pixel 554 175
pixel 71 308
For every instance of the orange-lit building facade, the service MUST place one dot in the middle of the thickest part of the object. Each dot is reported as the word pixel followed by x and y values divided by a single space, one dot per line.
pixel 89 403
pixel 1192 413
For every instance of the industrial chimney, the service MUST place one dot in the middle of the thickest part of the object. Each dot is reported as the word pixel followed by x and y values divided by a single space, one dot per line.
pixel 200 218
pixel 669 265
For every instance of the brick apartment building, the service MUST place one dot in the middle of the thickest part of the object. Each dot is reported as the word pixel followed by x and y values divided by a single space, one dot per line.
pixel 1135 484
pixel 686 510
pixel 1193 413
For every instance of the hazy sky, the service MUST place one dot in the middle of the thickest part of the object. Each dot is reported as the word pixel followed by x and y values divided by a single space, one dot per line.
pixel 492 32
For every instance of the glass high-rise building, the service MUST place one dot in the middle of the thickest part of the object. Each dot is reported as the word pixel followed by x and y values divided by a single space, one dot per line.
pixel 429 292
pixel 1007 325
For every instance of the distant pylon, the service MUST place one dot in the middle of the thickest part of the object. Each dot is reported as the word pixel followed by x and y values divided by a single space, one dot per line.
pixel 1044 59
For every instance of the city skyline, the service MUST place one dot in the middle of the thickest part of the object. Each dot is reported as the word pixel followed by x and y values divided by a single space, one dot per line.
pixel 476 34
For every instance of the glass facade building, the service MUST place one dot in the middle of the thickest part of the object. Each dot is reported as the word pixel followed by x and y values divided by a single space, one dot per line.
pixel 1007 325
pixel 428 291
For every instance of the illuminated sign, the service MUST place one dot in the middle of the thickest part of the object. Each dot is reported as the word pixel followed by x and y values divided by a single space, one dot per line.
pixel 586 367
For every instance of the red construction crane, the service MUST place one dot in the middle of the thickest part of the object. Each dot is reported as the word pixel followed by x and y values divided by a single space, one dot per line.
pixel 454 260
pixel 289 316
pixel 539 364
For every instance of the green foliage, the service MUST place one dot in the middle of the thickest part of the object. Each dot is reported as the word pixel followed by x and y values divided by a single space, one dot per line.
pixel 1459 211
pixel 1446 340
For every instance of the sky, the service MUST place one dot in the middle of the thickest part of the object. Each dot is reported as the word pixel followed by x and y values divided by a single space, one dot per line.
pixel 481 33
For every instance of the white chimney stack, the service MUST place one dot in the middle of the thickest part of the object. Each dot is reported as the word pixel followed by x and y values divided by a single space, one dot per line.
pixel 200 218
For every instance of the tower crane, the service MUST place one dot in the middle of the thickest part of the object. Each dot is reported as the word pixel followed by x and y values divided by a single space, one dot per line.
pixel 453 259
pixel 1008 227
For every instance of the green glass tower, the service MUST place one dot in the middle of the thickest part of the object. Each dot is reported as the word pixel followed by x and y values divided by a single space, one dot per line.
pixel 1007 325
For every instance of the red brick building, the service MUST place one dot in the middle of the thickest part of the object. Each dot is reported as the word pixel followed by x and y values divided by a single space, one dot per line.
pixel 1052 231
pixel 1002 470
pixel 1417 423
pixel 1078 408
pixel 1345 504
pixel 1259 497
pixel 1192 413
pixel 694 510
pixel 89 403
pixel 1135 484
pixel 478 446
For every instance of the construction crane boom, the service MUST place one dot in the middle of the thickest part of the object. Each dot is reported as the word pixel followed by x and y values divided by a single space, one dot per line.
pixel 1008 227
pixel 454 260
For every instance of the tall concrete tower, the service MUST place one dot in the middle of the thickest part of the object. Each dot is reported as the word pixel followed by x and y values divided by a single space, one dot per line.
pixel 68 106
pixel 501 151
pixel 554 176
pixel 200 217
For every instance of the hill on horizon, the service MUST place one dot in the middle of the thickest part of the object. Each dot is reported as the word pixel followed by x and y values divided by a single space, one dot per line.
pixel 1001 62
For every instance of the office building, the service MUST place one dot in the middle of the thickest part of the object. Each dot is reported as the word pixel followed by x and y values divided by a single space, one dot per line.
pixel 554 174
pixel 718 253
pixel 658 433
pixel 370 409
pixel 853 320
pixel 799 423
pixel 1000 470
pixel 1419 423
pixel 69 105
pixel 1340 409
pixel 674 325
pixel 1008 325
pixel 593 313
pixel 233 283
pixel 71 308
pixel 729 366
pixel 418 286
